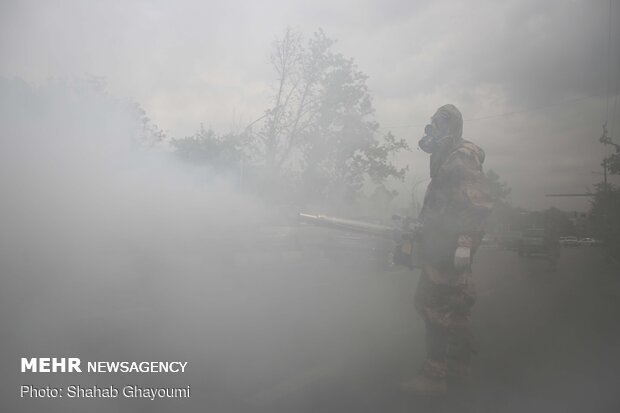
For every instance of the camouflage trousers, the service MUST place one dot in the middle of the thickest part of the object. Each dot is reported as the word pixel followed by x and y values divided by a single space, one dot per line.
pixel 444 298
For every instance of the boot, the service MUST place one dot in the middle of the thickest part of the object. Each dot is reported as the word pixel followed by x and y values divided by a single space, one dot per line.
pixel 458 360
pixel 425 386
pixel 458 372
pixel 431 382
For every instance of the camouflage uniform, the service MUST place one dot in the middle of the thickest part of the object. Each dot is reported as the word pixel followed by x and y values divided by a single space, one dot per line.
pixel 455 207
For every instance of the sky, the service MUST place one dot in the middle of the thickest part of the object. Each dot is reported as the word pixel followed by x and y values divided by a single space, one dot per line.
pixel 535 80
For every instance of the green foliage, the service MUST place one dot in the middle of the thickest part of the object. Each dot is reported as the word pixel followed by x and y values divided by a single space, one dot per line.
pixel 612 162
pixel 605 217
pixel 317 141
pixel 499 191
pixel 319 131
pixel 151 133
pixel 504 216
pixel 605 214
pixel 558 222
pixel 206 148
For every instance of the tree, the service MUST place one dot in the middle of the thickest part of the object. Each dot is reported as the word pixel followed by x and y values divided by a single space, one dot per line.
pixel 605 217
pixel 558 221
pixel 612 162
pixel 504 215
pixel 605 213
pixel 319 130
pixel 206 148
pixel 499 191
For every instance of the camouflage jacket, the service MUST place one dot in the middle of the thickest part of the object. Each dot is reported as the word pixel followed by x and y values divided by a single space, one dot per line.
pixel 457 200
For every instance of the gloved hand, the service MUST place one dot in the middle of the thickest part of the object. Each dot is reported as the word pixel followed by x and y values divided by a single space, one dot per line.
pixel 462 255
pixel 462 258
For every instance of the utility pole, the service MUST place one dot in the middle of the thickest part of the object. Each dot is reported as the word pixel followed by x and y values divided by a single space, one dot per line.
pixel 605 175
pixel 605 140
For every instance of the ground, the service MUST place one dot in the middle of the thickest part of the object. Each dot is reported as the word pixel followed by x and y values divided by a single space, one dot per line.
pixel 296 331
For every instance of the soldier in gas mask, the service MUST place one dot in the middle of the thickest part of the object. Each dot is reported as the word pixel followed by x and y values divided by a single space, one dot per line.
pixel 455 207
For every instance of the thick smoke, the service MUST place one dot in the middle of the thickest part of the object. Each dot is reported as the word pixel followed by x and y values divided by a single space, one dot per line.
pixel 112 249
pixel 98 226
pixel 84 192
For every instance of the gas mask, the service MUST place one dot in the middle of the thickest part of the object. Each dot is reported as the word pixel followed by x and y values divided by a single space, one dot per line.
pixel 446 126
pixel 431 140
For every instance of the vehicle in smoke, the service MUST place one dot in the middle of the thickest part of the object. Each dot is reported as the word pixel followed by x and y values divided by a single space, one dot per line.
pixel 570 241
pixel 590 242
pixel 488 240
